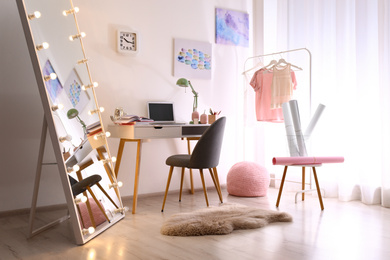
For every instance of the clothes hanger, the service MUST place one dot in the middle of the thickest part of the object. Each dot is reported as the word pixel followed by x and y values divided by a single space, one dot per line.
pixel 272 63
pixel 281 61
pixel 254 67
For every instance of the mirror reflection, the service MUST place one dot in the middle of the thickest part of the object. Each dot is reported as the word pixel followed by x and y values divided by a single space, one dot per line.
pixel 76 114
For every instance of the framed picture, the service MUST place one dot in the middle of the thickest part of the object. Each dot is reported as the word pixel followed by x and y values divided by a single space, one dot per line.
pixel 54 86
pixel 231 27
pixel 192 59
pixel 76 95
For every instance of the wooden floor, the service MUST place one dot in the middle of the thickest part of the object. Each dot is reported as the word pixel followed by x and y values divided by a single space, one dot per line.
pixel 344 230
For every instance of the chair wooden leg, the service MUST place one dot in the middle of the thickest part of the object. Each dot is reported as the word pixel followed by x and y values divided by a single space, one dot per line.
pixel 181 182
pixel 303 183
pixel 281 186
pixel 217 181
pixel 214 177
pixel 98 203
pixel 167 188
pixel 192 183
pixel 191 179
pixel 318 188
pixel 204 186
pixel 105 193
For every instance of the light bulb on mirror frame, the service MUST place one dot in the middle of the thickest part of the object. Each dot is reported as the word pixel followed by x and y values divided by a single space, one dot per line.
pixel 88 231
pixel 115 185
pixel 52 76
pixel 91 112
pixel 65 138
pixel 121 210
pixel 74 168
pixel 42 46
pixel 57 107
pixel 97 136
pixel 81 199
pixel 76 36
pixel 36 14
pixel 104 161
pixel 95 84
pixel 71 11
pixel 83 61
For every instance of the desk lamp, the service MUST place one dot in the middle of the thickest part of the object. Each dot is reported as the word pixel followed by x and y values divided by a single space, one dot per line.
pixel 182 82
pixel 72 113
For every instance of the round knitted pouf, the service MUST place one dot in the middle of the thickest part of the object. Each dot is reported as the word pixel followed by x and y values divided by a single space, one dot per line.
pixel 248 179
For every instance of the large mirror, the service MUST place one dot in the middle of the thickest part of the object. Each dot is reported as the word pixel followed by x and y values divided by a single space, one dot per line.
pixel 72 115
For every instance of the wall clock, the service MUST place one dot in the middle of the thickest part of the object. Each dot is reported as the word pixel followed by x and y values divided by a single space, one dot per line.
pixel 128 41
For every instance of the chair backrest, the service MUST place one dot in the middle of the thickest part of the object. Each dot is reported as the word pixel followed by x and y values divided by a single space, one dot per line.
pixel 207 151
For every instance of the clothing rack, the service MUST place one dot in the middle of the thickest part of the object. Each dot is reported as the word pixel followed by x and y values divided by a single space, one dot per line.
pixel 310 61
pixel 281 52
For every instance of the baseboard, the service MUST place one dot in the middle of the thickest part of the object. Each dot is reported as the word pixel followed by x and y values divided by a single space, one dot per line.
pixel 64 206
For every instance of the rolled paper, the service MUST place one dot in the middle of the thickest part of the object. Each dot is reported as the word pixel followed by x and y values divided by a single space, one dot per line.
pixel 291 138
pixel 301 160
pixel 297 127
pixel 314 121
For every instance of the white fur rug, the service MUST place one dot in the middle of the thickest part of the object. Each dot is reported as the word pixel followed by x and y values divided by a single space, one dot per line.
pixel 220 220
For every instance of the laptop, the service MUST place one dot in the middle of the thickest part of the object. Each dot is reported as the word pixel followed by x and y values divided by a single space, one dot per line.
pixel 162 113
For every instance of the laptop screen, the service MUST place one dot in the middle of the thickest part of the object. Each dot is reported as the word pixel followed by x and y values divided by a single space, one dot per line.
pixel 161 112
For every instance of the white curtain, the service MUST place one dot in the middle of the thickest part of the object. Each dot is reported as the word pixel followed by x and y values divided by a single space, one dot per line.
pixel 349 41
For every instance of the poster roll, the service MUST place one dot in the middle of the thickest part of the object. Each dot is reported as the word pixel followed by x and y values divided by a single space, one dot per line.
pixel 314 121
pixel 300 160
pixel 297 127
pixel 291 138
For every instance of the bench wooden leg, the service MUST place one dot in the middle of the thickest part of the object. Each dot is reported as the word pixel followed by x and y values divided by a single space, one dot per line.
pixel 318 188
pixel 281 186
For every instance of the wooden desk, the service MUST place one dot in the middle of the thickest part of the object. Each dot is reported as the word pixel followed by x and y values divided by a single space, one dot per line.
pixel 139 132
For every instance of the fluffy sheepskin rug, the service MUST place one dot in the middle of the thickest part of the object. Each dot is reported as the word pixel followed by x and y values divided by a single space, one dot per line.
pixel 220 220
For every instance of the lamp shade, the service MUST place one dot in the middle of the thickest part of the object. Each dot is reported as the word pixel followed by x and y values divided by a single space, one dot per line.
pixel 72 113
pixel 182 82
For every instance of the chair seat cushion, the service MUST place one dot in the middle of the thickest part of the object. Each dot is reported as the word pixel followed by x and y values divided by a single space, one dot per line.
pixel 82 185
pixel 178 160
pixel 97 214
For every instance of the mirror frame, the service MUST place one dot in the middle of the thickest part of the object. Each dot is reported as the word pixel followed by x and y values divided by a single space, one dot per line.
pixel 80 237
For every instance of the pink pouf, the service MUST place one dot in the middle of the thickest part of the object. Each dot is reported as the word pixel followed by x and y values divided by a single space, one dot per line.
pixel 248 179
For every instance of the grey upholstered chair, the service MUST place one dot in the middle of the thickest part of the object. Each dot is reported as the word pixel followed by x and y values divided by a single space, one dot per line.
pixel 205 155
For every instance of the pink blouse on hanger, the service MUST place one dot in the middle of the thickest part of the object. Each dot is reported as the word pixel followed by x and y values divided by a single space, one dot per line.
pixel 262 85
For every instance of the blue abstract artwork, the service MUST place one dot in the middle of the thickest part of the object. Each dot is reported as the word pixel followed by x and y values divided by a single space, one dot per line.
pixel 232 27
pixel 53 87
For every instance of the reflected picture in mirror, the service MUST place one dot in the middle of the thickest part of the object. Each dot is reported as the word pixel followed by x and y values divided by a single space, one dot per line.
pixel 72 116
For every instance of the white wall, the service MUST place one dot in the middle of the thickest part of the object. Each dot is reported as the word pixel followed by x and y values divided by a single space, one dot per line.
pixel 124 81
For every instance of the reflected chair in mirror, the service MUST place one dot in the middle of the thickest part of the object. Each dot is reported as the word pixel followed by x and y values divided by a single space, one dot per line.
pixel 84 185
pixel 205 155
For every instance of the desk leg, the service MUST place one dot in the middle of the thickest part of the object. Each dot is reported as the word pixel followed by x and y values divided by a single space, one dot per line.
pixel 137 166
pixel 119 156
pixel 136 178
